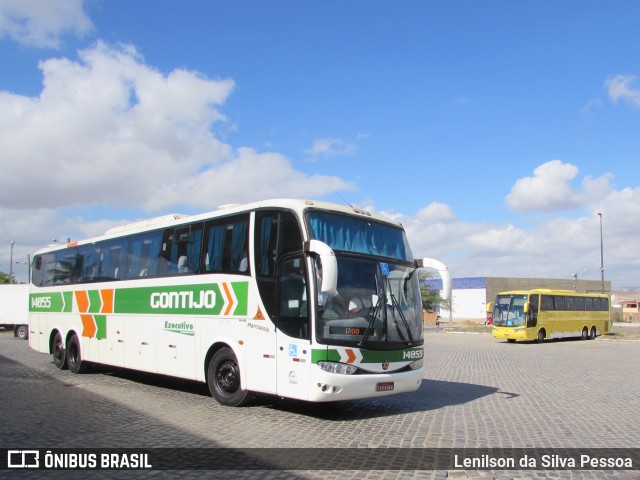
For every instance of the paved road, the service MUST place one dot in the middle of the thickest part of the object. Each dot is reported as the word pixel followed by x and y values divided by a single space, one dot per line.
pixel 478 392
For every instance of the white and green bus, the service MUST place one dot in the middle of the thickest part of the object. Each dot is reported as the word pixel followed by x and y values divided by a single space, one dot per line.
pixel 299 299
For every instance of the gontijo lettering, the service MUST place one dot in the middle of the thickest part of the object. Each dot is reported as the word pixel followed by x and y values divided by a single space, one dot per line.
pixel 184 299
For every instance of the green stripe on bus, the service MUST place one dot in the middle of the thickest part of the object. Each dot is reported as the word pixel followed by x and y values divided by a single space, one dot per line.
pixel 101 323
pixel 370 356
pixel 95 302
pixel 68 301
pixel 204 299
pixel 241 291
pixel 47 302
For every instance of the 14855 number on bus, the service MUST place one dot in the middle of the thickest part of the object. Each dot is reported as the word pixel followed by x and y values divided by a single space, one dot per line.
pixel 413 354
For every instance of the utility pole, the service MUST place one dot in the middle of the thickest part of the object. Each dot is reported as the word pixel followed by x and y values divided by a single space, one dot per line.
pixel 13 242
pixel 601 253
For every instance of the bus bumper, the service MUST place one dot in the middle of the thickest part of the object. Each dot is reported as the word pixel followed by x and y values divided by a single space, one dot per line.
pixel 509 333
pixel 331 387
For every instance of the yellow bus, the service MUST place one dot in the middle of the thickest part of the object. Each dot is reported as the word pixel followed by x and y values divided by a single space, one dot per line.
pixel 541 314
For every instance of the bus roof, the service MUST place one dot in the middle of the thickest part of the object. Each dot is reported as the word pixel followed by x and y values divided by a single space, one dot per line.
pixel 164 221
pixel 550 291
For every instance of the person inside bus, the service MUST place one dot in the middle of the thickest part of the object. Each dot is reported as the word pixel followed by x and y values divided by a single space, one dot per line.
pixel 183 264
pixel 361 301
pixel 244 262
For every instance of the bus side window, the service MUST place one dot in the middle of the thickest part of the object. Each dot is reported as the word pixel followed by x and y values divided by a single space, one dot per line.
pixel 225 245
pixel 43 270
pixel 547 302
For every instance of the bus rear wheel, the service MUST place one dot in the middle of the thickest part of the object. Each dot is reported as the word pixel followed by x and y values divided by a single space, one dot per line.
pixel 58 352
pixel 223 379
pixel 74 356
pixel 585 333
pixel 593 333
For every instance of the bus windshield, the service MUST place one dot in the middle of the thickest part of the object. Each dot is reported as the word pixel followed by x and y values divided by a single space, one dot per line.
pixel 359 235
pixel 377 305
pixel 509 310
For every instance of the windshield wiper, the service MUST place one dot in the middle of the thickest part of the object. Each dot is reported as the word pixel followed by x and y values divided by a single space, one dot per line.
pixel 396 305
pixel 371 316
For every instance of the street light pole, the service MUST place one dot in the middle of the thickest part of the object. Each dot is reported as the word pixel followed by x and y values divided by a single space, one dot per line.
pixel 601 253
pixel 11 262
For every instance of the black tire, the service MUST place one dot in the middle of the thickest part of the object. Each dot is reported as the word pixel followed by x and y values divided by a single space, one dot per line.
pixel 223 379
pixel 74 356
pixel 511 340
pixel 21 331
pixel 541 336
pixel 593 333
pixel 58 352
pixel 585 333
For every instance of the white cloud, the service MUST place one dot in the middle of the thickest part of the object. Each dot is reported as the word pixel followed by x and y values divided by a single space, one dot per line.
pixel 550 189
pixel 621 87
pixel 551 248
pixel 436 212
pixel 39 23
pixel 331 147
pixel 111 130
pixel 246 177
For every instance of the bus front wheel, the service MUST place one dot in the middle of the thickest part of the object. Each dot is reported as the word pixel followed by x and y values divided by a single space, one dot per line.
pixel 223 379
pixel 541 336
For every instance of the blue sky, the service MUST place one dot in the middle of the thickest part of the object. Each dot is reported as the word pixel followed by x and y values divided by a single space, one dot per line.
pixel 494 130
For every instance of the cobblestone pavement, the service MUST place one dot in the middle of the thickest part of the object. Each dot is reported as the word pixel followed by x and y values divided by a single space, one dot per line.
pixel 478 392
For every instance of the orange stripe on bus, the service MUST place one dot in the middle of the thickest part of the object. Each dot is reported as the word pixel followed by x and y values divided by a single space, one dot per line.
pixel 351 356
pixel 229 297
pixel 88 326
pixel 107 301
pixel 83 301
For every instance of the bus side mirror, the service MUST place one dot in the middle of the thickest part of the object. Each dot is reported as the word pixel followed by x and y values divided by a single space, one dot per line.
pixel 489 307
pixel 329 265
pixel 527 307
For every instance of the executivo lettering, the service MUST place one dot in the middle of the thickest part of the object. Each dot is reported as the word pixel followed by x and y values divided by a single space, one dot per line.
pixel 184 299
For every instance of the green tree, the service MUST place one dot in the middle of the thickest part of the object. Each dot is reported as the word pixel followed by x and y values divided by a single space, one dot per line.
pixel 4 278
pixel 430 296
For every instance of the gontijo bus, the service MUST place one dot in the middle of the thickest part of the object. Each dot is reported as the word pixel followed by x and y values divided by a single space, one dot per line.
pixel 300 299
pixel 539 314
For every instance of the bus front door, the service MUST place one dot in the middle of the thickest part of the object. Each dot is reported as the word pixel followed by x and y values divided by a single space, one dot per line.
pixel 293 344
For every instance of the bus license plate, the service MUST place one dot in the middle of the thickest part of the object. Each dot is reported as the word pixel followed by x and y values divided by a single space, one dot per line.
pixel 384 387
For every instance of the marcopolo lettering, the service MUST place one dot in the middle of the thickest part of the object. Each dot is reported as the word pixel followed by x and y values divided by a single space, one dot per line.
pixel 184 299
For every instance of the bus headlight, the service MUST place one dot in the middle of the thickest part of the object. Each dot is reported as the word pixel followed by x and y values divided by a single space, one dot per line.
pixel 341 368
pixel 417 364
